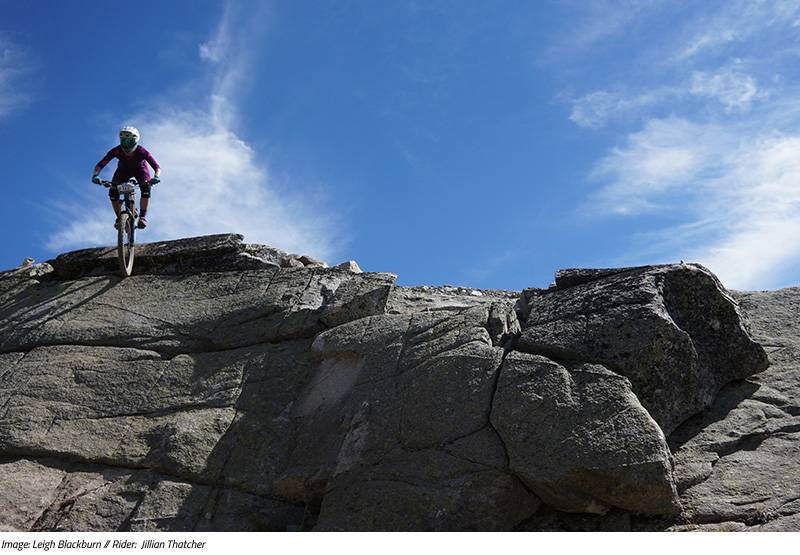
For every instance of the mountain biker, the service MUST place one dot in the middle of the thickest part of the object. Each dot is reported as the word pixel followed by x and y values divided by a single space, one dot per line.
pixel 131 158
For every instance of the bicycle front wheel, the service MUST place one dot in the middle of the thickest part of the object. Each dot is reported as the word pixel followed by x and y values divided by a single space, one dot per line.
pixel 125 243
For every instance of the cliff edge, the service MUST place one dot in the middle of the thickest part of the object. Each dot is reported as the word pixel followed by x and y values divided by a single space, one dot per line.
pixel 235 387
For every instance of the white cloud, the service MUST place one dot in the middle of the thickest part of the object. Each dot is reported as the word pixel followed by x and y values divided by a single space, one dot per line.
pixel 712 171
pixel 737 191
pixel 211 51
pixel 733 89
pixel 736 21
pixel 217 48
pixel 595 109
pixel 665 157
pixel 213 181
pixel 13 66
pixel 708 39
pixel 591 23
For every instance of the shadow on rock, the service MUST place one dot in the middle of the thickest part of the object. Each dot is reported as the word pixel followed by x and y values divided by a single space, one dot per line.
pixel 727 400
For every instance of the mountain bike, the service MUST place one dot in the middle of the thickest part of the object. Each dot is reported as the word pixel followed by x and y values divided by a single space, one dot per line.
pixel 126 224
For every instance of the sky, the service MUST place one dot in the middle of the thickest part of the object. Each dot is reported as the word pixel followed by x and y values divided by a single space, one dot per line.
pixel 470 143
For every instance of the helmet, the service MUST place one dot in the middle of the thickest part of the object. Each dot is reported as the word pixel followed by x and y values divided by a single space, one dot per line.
pixel 128 138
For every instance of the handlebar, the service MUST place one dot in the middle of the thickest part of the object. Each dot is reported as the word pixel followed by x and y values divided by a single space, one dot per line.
pixel 108 184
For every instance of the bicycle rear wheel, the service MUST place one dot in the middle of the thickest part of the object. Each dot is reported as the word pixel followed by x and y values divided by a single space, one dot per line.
pixel 125 243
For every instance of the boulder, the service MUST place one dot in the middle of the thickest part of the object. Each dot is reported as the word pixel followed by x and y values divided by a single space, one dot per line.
pixel 672 330
pixel 579 438
pixel 350 266
pixel 310 261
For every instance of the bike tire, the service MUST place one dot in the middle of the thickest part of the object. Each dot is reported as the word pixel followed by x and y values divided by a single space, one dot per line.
pixel 125 243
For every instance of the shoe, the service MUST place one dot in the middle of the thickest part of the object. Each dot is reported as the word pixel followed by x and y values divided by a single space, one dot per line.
pixel 142 223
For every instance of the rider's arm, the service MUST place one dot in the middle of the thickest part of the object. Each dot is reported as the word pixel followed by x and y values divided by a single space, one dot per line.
pixel 152 162
pixel 106 159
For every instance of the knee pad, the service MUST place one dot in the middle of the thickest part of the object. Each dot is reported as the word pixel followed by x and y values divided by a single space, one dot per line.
pixel 113 194
pixel 145 188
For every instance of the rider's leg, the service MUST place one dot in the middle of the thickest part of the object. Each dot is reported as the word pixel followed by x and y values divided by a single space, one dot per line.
pixel 114 196
pixel 144 187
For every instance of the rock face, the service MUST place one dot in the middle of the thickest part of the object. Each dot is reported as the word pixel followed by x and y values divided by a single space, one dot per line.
pixel 580 439
pixel 671 330
pixel 739 461
pixel 227 386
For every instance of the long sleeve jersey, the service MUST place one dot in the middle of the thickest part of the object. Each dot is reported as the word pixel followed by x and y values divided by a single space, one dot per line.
pixel 130 165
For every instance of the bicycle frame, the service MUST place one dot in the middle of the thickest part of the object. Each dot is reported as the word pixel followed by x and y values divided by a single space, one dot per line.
pixel 128 192
pixel 126 224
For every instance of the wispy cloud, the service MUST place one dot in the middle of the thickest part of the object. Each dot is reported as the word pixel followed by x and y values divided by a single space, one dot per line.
pixel 729 86
pixel 735 22
pixel 213 181
pixel 713 144
pixel 218 46
pixel 735 190
pixel 657 163
pixel 592 23
pixel 597 108
pixel 13 67
pixel 733 89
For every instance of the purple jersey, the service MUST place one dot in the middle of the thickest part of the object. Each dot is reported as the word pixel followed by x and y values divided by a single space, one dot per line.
pixel 134 165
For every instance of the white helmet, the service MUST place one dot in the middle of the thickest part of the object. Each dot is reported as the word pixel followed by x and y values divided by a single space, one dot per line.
pixel 128 138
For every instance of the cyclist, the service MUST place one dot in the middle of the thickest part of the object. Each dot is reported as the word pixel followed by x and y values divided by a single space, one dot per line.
pixel 131 158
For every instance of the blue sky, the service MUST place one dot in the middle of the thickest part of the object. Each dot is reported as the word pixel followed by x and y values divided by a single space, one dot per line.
pixel 484 144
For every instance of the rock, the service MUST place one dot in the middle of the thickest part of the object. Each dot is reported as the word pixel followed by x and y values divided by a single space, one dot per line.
pixel 743 453
pixel 310 262
pixel 789 523
pixel 230 386
pixel 731 526
pixel 292 262
pixel 579 438
pixel 754 484
pixel 550 520
pixel 672 330
pixel 25 271
pixel 350 266
pixel 210 253
pixel 578 276
pixel 50 495
pixel 182 416
pixel 29 488
pixel 427 298
pixel 408 397
pixel 198 312
pixel 455 495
